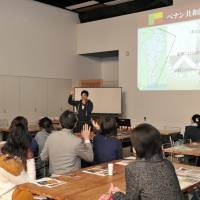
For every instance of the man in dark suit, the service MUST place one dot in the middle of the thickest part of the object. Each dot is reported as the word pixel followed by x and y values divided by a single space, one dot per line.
pixel 84 109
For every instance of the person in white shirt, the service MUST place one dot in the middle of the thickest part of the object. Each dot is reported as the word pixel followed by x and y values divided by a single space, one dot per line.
pixel 17 165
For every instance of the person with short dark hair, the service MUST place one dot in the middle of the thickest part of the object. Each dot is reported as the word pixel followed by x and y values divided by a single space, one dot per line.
pixel 151 176
pixel 84 109
pixel 192 132
pixel 106 147
pixel 47 127
pixel 85 92
pixel 17 165
pixel 195 119
pixel 64 150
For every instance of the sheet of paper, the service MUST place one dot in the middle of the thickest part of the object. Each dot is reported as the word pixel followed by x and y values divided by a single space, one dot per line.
pixel 48 182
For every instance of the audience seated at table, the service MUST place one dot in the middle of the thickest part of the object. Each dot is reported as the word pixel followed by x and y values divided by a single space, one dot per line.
pixel 16 162
pixel 47 127
pixel 65 150
pixel 150 176
pixel 106 147
pixel 192 132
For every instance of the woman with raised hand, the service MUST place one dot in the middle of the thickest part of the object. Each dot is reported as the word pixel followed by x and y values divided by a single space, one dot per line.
pixel 106 147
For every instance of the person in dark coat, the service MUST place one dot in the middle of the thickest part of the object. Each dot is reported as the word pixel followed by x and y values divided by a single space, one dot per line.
pixel 84 109
pixel 106 147
pixel 150 177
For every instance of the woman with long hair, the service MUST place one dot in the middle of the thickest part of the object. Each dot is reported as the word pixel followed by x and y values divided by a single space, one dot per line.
pixel 17 165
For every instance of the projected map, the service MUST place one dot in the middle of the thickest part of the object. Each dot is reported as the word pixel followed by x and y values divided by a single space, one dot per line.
pixel 169 57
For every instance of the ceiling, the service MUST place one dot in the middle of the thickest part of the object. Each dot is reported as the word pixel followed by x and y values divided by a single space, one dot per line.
pixel 91 10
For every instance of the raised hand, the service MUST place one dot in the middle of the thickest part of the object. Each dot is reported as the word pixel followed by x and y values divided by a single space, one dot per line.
pixel 85 133
pixel 95 124
pixel 72 92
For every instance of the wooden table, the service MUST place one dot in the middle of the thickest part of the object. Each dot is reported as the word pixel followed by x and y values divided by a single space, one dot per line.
pixel 170 133
pixel 88 187
pixel 192 149
pixel 125 135
pixel 32 129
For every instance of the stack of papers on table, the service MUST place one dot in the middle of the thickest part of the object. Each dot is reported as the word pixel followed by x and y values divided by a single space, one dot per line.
pixel 192 173
pixel 187 177
pixel 186 182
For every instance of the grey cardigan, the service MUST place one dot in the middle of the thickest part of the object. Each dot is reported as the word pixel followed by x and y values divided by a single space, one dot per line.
pixel 153 179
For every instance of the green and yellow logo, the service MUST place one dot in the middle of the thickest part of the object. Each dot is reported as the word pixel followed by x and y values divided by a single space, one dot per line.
pixel 155 18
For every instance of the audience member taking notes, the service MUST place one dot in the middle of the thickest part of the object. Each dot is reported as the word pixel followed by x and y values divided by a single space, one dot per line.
pixel 65 150
pixel 17 165
pixel 150 177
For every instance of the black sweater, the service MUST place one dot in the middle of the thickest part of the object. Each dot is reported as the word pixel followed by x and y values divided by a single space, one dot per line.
pixel 84 111
pixel 153 179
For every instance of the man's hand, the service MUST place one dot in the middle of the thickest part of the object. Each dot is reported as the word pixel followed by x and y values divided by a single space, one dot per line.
pixel 72 93
pixel 85 133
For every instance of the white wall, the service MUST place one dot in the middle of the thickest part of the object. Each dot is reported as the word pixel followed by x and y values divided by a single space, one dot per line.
pixel 172 108
pixel 109 71
pixel 38 40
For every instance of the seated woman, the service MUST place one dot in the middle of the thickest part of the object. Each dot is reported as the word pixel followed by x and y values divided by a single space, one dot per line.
pixel 32 142
pixel 192 132
pixel 47 127
pixel 17 165
pixel 150 176
pixel 106 147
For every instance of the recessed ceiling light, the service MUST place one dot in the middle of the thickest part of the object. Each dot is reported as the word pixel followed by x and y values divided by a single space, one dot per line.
pixel 115 2
pixel 81 5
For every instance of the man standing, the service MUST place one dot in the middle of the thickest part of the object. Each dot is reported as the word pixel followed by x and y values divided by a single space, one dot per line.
pixel 84 109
